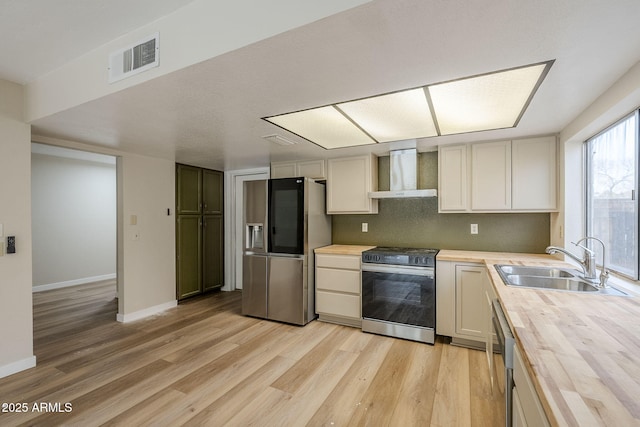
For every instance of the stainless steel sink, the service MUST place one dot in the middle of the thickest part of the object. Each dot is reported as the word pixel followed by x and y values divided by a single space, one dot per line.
pixel 564 279
pixel 564 284
pixel 538 271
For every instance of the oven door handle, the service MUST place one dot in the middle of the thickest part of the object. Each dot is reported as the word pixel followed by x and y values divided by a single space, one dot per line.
pixel 413 271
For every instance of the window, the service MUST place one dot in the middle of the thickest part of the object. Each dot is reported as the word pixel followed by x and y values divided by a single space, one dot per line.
pixel 612 206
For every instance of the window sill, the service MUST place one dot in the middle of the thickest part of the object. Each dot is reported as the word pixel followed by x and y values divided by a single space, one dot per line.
pixel 630 286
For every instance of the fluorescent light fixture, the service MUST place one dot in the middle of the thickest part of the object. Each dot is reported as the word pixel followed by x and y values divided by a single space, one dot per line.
pixel 489 101
pixel 325 126
pixel 393 117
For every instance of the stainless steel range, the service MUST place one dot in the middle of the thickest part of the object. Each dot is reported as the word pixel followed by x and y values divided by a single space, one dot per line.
pixel 399 292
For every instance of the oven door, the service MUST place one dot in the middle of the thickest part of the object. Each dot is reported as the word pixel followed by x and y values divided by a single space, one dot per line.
pixel 403 295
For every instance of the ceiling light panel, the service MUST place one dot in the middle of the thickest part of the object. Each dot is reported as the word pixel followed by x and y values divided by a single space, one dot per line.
pixel 490 101
pixel 393 117
pixel 325 126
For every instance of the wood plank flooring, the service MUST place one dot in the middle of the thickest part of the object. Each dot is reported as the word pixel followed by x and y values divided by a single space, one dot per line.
pixel 204 364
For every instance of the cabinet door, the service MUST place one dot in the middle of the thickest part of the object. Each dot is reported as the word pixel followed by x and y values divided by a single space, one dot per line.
pixel 283 170
pixel 452 182
pixel 188 189
pixel 349 181
pixel 534 180
pixel 470 302
pixel 189 255
pixel 314 169
pixel 491 176
pixel 212 252
pixel 517 414
pixel 212 192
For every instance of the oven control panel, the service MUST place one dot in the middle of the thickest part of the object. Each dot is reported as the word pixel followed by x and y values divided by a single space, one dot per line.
pixel 400 256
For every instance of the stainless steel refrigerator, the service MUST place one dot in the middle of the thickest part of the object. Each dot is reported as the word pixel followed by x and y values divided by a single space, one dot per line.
pixel 285 220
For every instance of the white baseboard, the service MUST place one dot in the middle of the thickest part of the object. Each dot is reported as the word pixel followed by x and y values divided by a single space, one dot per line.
pixel 75 282
pixel 15 367
pixel 137 315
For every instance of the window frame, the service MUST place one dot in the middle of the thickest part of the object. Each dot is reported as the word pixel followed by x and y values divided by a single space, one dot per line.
pixel 588 191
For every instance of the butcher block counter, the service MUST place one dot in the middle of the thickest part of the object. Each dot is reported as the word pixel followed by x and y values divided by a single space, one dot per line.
pixel 581 350
pixel 343 249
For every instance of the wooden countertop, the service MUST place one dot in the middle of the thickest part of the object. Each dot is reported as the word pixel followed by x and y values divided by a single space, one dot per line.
pixel 343 249
pixel 582 351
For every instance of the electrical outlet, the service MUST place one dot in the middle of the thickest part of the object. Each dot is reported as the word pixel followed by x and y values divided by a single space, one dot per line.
pixel 365 227
pixel 474 228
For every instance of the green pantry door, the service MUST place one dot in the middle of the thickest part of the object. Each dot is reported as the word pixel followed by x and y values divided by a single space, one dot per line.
pixel 199 230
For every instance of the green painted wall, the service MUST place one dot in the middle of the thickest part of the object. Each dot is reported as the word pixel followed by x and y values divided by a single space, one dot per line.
pixel 417 223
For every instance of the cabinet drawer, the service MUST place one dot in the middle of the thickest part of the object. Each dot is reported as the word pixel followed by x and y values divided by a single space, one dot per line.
pixel 338 261
pixel 338 280
pixel 338 304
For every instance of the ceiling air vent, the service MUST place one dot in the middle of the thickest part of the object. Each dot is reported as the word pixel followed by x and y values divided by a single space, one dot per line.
pixel 134 59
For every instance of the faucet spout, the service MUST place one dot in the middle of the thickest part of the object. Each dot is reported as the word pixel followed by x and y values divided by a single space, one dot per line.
pixel 555 249
pixel 604 273
pixel 588 263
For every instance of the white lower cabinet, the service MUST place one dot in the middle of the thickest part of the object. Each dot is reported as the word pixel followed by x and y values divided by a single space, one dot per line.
pixel 338 283
pixel 461 307
pixel 527 409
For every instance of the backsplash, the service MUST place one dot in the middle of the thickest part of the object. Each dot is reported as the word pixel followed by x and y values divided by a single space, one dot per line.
pixel 417 223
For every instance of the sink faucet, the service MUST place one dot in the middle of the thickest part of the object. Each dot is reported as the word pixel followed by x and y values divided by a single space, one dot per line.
pixel 588 262
pixel 604 273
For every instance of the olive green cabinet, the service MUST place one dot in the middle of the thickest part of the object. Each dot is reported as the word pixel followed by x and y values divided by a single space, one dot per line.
pixel 199 230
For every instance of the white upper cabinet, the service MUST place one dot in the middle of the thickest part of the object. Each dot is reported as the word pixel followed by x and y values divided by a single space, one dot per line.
pixel 504 176
pixel 315 169
pixel 534 183
pixel 452 181
pixel 349 181
pixel 283 170
pixel 491 176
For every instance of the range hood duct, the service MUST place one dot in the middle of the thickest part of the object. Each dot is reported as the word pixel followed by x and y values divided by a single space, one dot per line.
pixel 403 169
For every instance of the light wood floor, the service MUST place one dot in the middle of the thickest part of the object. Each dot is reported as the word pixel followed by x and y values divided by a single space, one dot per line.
pixel 203 363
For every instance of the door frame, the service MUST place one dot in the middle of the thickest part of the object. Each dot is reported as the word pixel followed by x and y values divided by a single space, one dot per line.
pixel 233 209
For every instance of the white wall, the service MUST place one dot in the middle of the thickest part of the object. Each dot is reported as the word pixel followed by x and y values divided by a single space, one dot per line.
pixel 16 319
pixel 73 219
pixel 146 258
pixel 620 99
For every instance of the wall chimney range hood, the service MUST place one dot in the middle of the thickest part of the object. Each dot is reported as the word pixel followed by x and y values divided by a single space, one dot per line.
pixel 403 170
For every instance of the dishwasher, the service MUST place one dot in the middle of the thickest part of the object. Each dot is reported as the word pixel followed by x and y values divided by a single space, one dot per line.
pixel 504 364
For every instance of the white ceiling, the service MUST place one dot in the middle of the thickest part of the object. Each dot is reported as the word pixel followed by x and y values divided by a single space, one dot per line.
pixel 210 114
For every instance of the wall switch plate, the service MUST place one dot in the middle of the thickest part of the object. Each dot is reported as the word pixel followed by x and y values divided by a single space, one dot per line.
pixel 365 227
pixel 474 228
pixel 11 244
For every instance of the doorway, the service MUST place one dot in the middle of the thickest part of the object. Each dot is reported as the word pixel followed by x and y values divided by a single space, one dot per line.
pixel 74 217
pixel 234 203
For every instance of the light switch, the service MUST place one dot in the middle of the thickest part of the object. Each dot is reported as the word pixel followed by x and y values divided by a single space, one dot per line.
pixel 474 228
pixel 134 220
pixel 365 227
pixel 11 244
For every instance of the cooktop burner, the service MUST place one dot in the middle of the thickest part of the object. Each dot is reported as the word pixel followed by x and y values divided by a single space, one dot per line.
pixel 420 257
